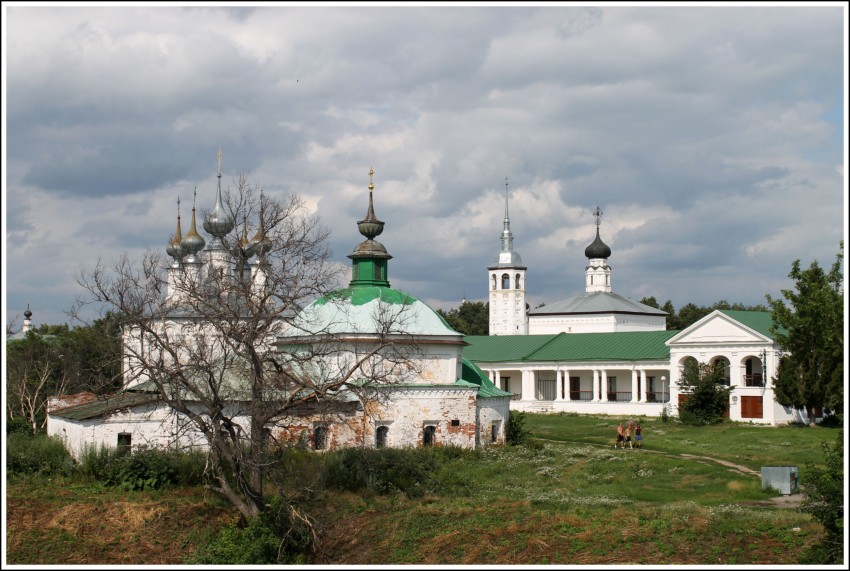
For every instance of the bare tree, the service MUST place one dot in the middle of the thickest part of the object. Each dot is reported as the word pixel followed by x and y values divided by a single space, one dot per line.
pixel 204 337
pixel 33 371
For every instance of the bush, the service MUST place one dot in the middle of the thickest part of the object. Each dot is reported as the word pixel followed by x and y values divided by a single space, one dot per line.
pixel 515 431
pixel 144 469
pixel 18 425
pixel 273 538
pixel 824 499
pixel 388 470
pixel 39 454
pixel 707 396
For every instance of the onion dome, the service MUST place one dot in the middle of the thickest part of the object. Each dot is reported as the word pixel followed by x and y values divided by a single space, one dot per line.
pixel 175 249
pixel 219 222
pixel 192 242
pixel 261 243
pixel 369 258
pixel 245 245
pixel 598 248
pixel 28 313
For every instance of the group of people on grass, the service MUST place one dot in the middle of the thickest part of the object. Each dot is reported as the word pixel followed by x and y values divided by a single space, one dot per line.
pixel 625 436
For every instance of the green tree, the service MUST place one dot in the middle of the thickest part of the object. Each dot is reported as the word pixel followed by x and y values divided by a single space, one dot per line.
pixel 707 395
pixel 808 324
pixel 471 318
pixel 824 499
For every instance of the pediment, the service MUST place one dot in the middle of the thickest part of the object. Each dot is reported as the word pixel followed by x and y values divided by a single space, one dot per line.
pixel 717 328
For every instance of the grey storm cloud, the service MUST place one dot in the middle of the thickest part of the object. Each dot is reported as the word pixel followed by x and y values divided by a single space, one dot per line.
pixel 711 136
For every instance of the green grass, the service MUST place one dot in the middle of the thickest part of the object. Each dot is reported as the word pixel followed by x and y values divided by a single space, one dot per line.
pixel 745 444
pixel 568 497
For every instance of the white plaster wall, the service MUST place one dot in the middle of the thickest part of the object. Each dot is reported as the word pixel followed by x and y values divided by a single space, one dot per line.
pixel 409 409
pixel 553 324
pixel 493 409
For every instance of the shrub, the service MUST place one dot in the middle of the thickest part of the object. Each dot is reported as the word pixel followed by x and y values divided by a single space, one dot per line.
pixel 515 431
pixel 388 470
pixel 707 397
pixel 824 499
pixel 39 454
pixel 18 425
pixel 273 538
pixel 145 468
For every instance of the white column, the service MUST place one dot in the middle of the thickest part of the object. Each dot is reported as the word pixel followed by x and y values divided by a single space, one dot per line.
pixel 527 385
pixel 643 385
pixel 566 377
pixel 604 385
pixel 559 385
pixel 595 385
pixel 635 395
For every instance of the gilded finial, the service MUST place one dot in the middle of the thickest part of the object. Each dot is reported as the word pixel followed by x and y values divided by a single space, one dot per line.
pixel 371 173
pixel 219 162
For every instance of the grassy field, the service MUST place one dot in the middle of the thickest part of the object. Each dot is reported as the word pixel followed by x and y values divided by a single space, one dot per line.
pixel 567 498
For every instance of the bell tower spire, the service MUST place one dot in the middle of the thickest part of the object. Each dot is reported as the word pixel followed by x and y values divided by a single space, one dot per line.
pixel 508 311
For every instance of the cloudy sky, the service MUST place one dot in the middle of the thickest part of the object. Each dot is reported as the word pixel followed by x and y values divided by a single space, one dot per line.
pixel 713 138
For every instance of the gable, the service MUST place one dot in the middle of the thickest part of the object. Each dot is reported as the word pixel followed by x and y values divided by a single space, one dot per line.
pixel 718 328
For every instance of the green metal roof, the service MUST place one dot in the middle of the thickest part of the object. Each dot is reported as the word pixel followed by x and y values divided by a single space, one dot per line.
pixel 498 348
pixel 472 374
pixel 619 346
pixel 760 321
pixel 106 405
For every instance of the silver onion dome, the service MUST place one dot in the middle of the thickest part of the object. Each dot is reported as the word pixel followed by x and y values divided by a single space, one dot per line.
pixel 219 222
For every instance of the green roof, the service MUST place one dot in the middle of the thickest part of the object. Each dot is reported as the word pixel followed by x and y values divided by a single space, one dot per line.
pixel 760 321
pixel 472 374
pixel 495 348
pixel 619 346
pixel 102 406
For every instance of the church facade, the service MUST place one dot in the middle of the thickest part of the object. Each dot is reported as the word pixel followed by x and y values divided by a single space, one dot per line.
pixel 598 352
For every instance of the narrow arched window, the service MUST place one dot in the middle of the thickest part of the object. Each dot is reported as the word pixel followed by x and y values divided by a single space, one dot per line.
pixel 381 436
pixel 516 282
pixel 428 435
pixel 506 281
pixel 320 438
pixel 494 281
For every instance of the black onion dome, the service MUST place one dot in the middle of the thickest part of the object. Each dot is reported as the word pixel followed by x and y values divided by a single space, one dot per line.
pixel 598 249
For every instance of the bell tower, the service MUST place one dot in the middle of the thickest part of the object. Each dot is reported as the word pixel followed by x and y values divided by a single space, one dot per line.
pixel 506 284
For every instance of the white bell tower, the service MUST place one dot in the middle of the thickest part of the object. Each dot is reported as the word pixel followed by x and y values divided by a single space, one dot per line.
pixel 506 284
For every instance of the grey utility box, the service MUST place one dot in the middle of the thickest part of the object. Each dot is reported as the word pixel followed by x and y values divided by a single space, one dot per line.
pixel 782 478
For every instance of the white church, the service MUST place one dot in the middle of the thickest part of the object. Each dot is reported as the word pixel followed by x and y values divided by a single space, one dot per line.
pixel 598 352
pixel 438 397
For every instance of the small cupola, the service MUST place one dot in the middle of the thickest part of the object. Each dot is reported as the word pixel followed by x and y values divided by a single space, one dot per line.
pixel 597 249
pixel 369 258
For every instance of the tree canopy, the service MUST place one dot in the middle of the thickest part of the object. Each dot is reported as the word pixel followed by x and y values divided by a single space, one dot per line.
pixel 471 318
pixel 808 324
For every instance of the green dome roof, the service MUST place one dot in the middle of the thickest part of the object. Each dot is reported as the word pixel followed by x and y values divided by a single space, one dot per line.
pixel 369 309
